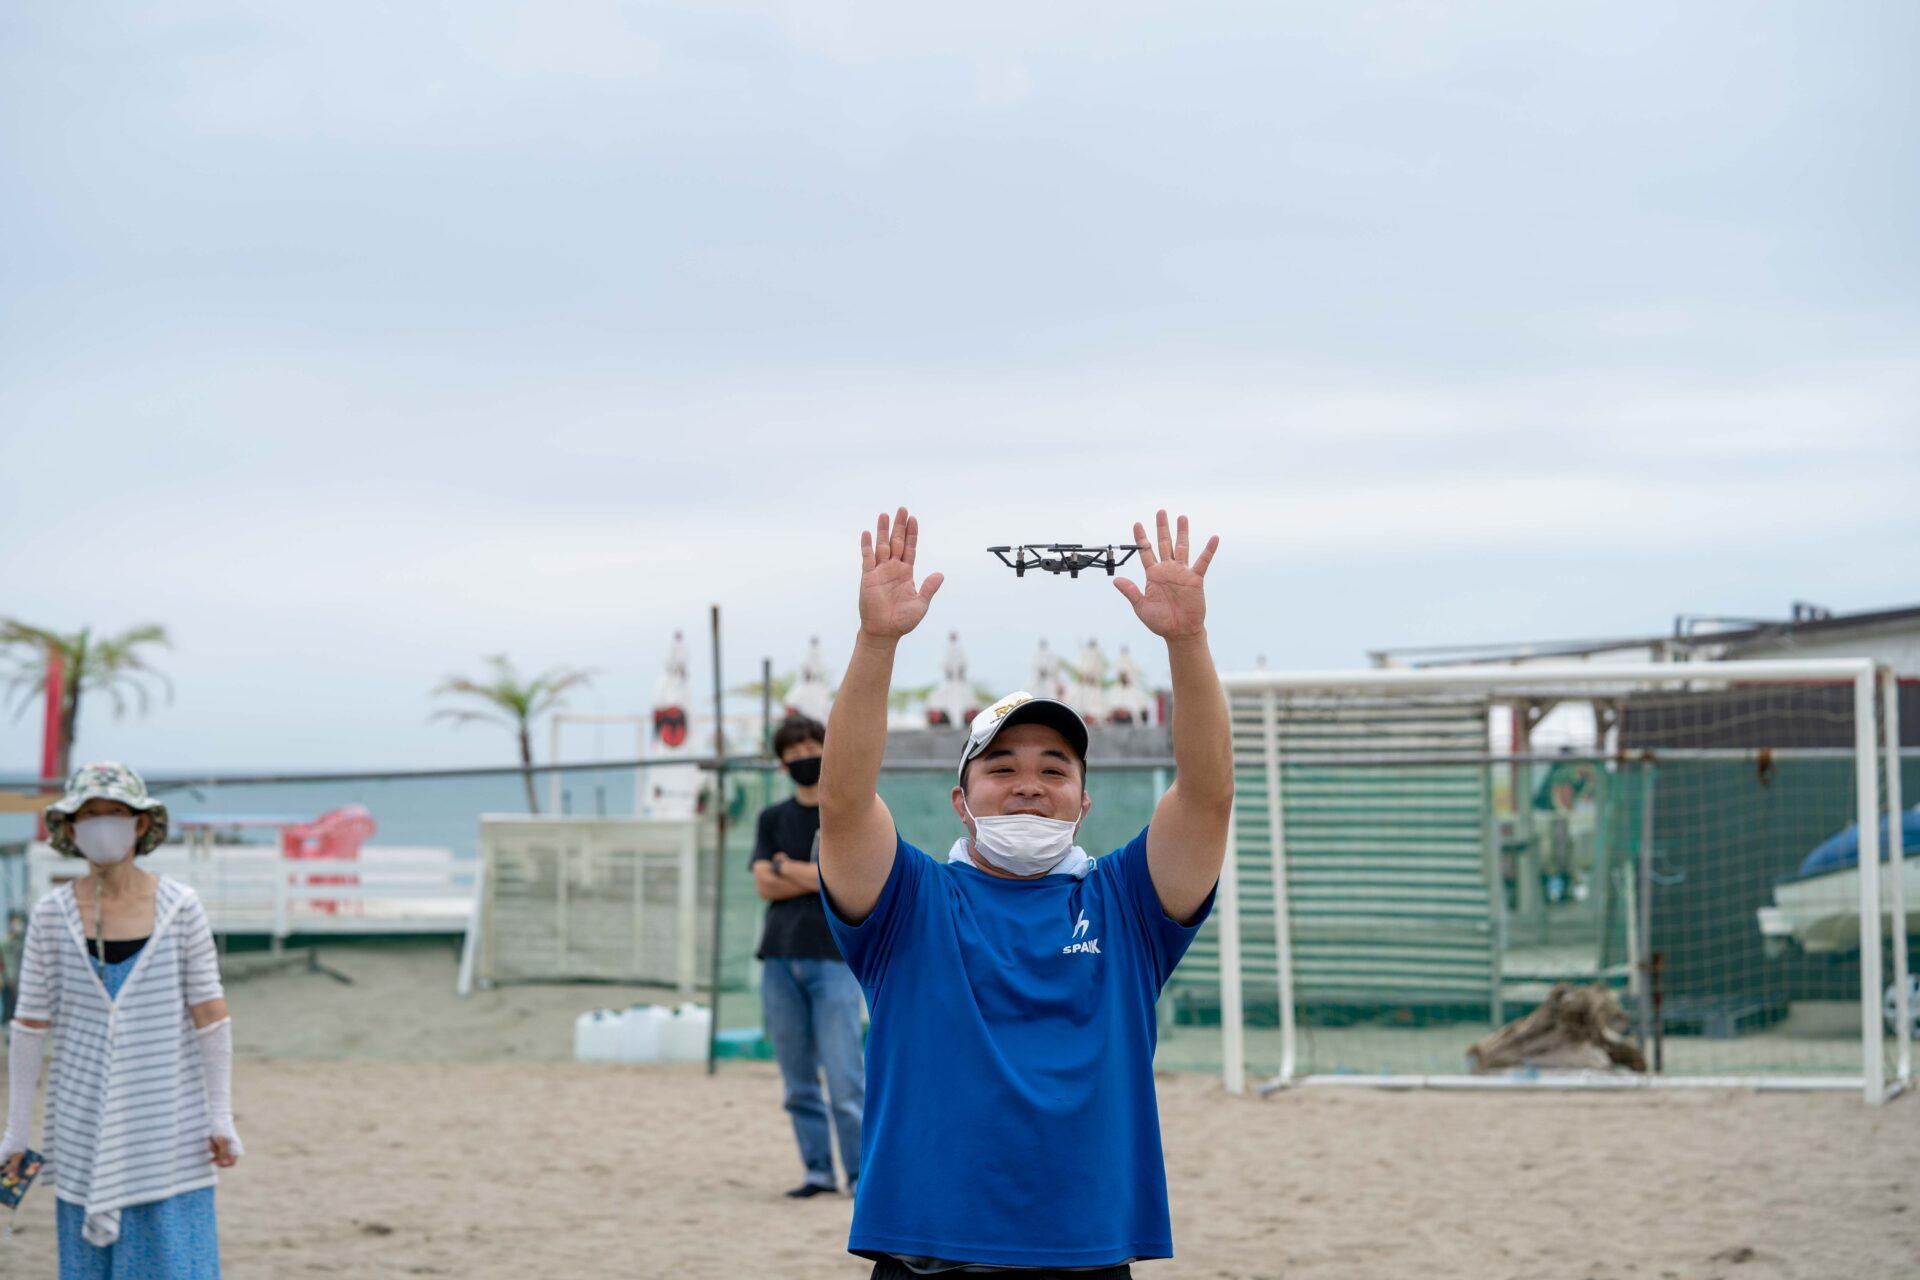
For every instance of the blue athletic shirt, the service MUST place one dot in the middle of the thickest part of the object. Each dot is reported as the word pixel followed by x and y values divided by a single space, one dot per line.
pixel 1010 1116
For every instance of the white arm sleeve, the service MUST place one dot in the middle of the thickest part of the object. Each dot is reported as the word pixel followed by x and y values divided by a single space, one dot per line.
pixel 25 1049
pixel 39 984
pixel 216 1062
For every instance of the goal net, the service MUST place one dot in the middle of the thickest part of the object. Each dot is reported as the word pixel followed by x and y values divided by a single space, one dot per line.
pixel 1419 857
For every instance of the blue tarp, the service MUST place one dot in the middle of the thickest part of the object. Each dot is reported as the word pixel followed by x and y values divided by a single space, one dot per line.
pixel 1843 850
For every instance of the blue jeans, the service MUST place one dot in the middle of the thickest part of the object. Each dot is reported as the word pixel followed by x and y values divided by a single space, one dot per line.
pixel 812 1010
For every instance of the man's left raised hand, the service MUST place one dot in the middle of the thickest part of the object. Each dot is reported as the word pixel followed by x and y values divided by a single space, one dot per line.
pixel 1173 606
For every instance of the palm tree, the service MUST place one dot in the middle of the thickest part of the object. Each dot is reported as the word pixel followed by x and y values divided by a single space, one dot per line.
pixel 900 697
pixel 108 665
pixel 512 704
pixel 781 687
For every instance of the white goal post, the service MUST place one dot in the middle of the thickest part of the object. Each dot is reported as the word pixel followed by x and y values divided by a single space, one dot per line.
pixel 1333 768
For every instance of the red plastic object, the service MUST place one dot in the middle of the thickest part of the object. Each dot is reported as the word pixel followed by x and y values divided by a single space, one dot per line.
pixel 50 738
pixel 335 835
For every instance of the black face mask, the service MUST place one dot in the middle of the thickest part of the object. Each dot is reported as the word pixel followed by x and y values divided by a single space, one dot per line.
pixel 805 772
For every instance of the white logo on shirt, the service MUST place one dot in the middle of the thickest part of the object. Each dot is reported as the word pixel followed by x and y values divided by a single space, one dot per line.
pixel 1090 947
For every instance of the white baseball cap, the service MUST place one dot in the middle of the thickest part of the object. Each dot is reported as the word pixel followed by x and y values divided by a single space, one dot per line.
pixel 1022 707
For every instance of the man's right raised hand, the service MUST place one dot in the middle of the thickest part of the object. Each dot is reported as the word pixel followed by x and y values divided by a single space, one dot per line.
pixel 890 605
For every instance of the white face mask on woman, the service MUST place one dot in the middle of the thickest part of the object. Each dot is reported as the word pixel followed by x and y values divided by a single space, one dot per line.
pixel 1022 844
pixel 106 840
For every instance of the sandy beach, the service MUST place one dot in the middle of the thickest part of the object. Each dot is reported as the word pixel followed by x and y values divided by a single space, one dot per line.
pixel 394 1130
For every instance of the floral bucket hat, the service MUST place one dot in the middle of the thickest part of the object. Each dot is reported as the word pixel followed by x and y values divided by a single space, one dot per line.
pixel 105 781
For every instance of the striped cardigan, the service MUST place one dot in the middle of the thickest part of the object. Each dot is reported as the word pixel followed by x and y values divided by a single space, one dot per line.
pixel 126 1119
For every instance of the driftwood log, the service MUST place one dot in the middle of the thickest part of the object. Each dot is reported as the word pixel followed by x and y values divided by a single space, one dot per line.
pixel 1578 1028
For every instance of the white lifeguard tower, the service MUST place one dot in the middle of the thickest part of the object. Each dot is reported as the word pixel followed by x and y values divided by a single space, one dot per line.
pixel 1128 701
pixel 951 702
pixel 1089 690
pixel 810 695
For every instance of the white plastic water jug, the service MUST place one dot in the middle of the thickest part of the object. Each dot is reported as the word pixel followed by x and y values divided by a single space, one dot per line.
pixel 684 1034
pixel 596 1036
pixel 642 1031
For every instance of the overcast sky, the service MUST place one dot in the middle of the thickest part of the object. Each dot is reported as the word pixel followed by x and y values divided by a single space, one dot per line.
pixel 353 342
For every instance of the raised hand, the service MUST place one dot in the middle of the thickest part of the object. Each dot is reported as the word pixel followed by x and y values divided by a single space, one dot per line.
pixel 890 605
pixel 1173 605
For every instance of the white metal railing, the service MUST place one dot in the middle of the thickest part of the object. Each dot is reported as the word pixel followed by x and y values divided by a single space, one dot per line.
pixel 255 890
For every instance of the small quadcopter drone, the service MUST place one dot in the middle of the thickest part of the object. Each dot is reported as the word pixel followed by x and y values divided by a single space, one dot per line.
pixel 1063 557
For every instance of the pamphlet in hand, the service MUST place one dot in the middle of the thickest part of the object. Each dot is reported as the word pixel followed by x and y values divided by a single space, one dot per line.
pixel 13 1188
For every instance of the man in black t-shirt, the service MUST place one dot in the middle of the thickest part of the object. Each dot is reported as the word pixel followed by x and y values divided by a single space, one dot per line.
pixel 810 998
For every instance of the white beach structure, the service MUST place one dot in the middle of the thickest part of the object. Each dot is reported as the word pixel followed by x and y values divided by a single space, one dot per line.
pixel 1089 689
pixel 810 695
pixel 951 702
pixel 1044 679
pixel 1128 701
pixel 671 790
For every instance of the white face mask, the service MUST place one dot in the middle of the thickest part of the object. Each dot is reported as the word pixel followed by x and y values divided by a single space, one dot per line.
pixel 1023 844
pixel 106 841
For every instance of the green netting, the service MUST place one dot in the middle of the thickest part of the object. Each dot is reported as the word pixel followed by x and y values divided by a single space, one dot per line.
pixel 1422 919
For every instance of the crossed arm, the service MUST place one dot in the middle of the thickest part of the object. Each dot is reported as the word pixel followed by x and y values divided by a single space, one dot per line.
pixel 780 877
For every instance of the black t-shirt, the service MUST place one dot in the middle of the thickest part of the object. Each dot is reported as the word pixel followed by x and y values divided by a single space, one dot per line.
pixel 796 928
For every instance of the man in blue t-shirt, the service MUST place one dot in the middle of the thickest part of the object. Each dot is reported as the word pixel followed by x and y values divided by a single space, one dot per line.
pixel 1011 1124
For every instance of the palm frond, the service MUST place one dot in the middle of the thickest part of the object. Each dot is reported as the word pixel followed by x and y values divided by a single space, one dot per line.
pixel 513 703
pixel 782 686
pixel 15 632
pixel 548 689
pixel 458 718
pixel 899 699
pixel 30 686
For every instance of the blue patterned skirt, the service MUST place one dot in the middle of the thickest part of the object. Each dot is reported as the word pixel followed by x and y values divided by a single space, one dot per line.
pixel 171 1239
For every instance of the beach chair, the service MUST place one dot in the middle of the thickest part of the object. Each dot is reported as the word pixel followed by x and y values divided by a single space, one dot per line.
pixel 334 836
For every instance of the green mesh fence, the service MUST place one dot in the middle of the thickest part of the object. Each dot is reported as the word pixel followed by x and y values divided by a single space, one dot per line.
pixel 1422 919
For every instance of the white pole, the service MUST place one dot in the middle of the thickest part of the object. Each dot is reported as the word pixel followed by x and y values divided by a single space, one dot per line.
pixel 1282 912
pixel 640 770
pixel 553 759
pixel 1873 1068
pixel 469 948
pixel 285 866
pixel 1897 878
pixel 688 895
pixel 1233 1040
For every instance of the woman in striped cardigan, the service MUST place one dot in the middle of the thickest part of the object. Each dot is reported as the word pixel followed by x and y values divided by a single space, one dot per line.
pixel 120 970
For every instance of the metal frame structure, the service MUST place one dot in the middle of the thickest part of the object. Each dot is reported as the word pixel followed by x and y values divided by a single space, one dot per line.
pixel 1875 698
